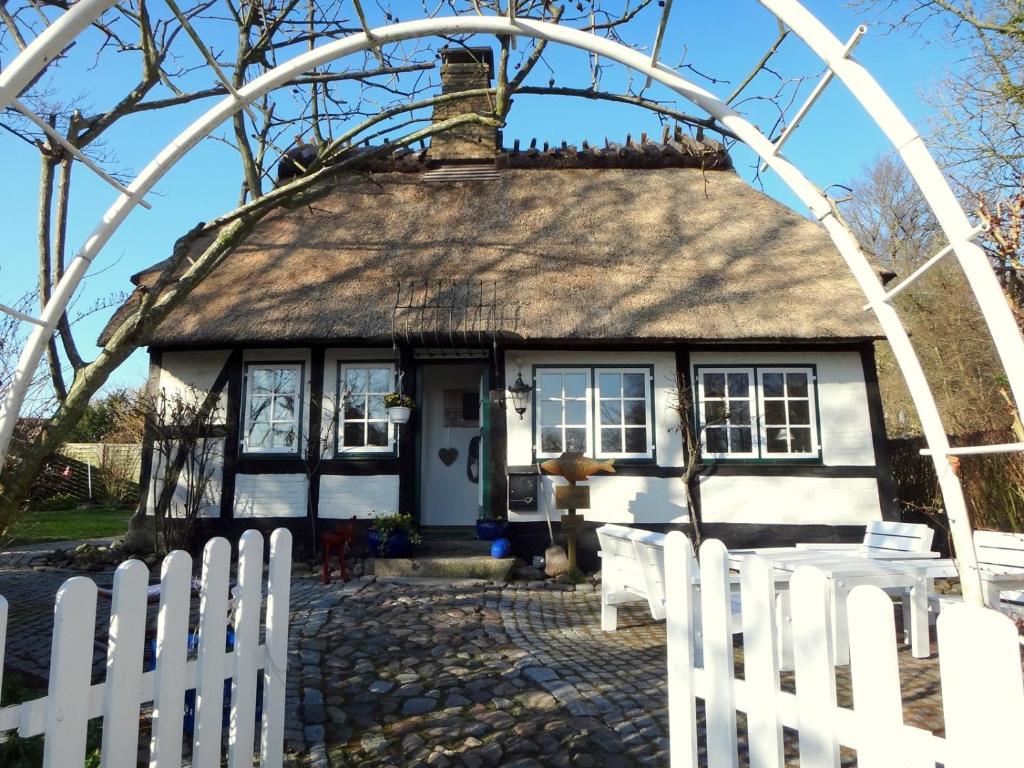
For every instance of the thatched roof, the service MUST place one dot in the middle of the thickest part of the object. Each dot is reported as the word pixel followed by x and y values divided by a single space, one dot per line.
pixel 659 254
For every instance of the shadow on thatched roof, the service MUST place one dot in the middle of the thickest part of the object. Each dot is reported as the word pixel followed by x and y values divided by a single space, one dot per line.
pixel 663 254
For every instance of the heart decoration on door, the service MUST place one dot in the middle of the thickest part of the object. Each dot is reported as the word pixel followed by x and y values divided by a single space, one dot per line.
pixel 448 455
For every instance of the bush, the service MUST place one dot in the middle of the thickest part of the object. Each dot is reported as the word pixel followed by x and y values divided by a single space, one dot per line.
pixel 58 502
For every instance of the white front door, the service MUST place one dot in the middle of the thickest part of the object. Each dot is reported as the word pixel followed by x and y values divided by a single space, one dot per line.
pixel 450 456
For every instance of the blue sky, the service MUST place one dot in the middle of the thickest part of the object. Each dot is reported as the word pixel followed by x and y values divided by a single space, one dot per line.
pixel 831 146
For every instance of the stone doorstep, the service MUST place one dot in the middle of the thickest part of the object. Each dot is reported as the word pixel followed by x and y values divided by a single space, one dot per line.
pixel 463 567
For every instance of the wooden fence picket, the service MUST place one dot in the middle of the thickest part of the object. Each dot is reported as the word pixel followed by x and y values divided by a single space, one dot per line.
pixel 171 650
pixel 67 711
pixel 278 596
pixel 982 687
pixel 875 673
pixel 716 618
pixel 125 648
pixel 761 664
pixel 244 659
pixel 679 630
pixel 815 669
pixel 211 668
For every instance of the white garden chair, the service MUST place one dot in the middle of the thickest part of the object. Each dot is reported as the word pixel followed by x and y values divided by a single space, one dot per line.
pixel 886 540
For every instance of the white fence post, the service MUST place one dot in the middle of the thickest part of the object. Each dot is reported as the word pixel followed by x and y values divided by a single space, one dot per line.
pixel 243 681
pixel 67 711
pixel 125 649
pixel 171 649
pixel 274 673
pixel 679 630
pixel 761 663
pixel 211 667
pixel 716 619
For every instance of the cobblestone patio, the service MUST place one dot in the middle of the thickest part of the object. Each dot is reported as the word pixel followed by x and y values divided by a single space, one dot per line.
pixel 454 674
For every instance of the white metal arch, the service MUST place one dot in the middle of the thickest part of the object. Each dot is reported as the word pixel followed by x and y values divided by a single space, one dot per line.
pixel 906 140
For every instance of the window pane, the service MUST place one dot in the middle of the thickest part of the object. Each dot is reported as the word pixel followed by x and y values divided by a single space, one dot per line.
pixel 356 379
pixel 551 384
pixel 380 380
pixel 636 441
pixel 284 408
pixel 774 412
pixel 375 407
pixel 355 407
pixel 716 441
pixel 739 412
pixel 551 440
pixel 772 385
pixel 261 380
pixel 796 383
pixel 286 381
pixel 799 412
pixel 575 385
pixel 739 385
pixel 740 439
pixel 259 436
pixel 575 412
pixel 550 413
pixel 633 385
pixel 714 385
pixel 377 433
pixel 576 440
pixel 284 436
pixel 259 409
pixel 354 437
pixel 777 440
pixel 800 440
pixel 611 412
pixel 609 384
pixel 636 411
pixel 714 412
pixel 611 440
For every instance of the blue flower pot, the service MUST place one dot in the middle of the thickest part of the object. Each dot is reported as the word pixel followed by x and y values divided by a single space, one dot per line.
pixel 398 544
pixel 489 530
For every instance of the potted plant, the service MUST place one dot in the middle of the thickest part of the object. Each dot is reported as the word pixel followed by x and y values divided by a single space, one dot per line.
pixel 399 407
pixel 392 536
pixel 490 527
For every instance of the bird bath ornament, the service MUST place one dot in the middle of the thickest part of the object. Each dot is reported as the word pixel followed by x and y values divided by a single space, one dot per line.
pixel 574 467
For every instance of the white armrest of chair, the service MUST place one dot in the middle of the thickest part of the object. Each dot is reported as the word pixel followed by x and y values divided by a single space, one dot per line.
pixel 829 545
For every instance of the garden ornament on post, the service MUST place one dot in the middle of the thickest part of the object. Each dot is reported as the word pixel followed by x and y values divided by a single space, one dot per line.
pixel 25 68
pixel 574 467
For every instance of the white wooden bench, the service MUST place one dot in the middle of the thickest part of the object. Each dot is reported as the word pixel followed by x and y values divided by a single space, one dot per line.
pixel 1001 564
pixel 887 540
pixel 633 570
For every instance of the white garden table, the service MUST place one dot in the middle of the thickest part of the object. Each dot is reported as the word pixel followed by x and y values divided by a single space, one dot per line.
pixel 845 571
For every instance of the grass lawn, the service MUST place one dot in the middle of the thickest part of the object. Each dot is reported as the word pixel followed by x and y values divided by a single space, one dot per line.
pixel 69 524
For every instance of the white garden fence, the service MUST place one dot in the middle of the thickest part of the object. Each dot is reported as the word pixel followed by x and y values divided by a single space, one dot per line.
pixel 72 700
pixel 979 661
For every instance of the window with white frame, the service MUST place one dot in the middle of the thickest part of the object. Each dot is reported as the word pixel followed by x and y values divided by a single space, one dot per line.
pixel 598 411
pixel 363 424
pixel 760 412
pixel 726 412
pixel 563 411
pixel 788 417
pixel 273 406
pixel 623 408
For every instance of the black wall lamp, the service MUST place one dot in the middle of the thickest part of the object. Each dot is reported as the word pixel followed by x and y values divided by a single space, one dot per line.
pixel 520 392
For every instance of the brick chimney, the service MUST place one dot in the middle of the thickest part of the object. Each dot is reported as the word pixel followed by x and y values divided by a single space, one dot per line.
pixel 465 68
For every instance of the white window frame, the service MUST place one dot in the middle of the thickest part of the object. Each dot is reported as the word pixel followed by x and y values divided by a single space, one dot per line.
pixel 588 405
pixel 812 407
pixel 648 413
pixel 340 448
pixel 754 452
pixel 296 420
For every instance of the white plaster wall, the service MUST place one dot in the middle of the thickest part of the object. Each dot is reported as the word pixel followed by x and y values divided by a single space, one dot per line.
pixel 669 444
pixel 842 398
pixel 624 500
pixel 789 500
pixel 270 496
pixel 211 499
pixel 342 496
pixel 191 374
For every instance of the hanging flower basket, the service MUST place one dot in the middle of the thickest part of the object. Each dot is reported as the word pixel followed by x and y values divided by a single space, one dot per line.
pixel 399 407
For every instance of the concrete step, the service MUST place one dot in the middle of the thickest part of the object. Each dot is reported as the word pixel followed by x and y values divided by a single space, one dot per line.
pixel 459 567
pixel 455 547
pixel 448 533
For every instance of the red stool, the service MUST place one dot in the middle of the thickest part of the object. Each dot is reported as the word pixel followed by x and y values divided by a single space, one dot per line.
pixel 337 540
